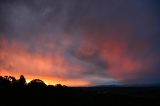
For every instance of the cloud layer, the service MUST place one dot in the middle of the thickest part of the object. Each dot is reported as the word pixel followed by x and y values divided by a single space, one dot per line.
pixel 81 42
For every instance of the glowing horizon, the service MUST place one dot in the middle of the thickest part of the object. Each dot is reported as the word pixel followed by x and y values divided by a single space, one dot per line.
pixel 50 80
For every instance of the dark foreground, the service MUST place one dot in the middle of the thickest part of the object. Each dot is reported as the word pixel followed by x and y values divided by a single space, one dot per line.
pixel 66 96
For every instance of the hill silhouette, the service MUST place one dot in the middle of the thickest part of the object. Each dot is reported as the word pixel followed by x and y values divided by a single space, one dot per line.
pixel 17 92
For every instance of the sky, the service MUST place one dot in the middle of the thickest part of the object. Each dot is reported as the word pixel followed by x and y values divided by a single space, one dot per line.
pixel 81 42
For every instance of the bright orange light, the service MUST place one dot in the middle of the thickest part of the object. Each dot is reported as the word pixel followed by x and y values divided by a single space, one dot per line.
pixel 49 80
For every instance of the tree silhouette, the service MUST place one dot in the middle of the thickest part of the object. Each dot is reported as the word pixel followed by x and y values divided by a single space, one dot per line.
pixel 12 79
pixel 21 81
pixel 58 86
pixel 5 82
pixel 39 93
pixel 36 83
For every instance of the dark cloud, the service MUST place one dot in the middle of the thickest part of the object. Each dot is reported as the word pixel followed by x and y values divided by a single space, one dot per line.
pixel 98 41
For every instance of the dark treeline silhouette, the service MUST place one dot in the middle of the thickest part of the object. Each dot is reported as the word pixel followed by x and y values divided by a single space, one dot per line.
pixel 17 92
pixel 11 82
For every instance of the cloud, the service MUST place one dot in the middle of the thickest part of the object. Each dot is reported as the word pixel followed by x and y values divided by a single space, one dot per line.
pixel 91 42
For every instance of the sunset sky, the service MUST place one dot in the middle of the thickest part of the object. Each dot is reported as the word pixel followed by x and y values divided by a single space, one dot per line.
pixel 81 42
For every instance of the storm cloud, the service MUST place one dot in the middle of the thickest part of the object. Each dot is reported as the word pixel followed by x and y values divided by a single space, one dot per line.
pixel 81 42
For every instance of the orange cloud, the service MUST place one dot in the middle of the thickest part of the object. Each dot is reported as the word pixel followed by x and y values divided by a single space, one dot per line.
pixel 107 56
pixel 17 60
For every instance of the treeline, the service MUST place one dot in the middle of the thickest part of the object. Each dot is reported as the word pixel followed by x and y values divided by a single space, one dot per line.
pixel 12 82
pixel 17 92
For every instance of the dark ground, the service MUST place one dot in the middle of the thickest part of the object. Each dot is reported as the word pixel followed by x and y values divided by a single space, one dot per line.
pixel 16 92
pixel 108 96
